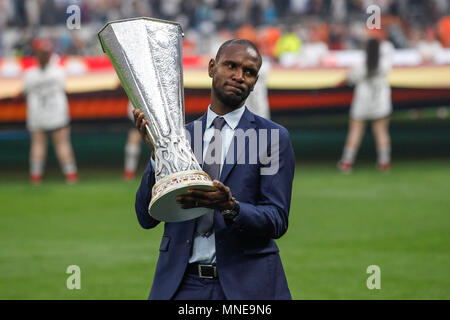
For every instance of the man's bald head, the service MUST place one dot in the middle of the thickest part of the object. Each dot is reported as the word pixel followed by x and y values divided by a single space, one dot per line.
pixel 252 49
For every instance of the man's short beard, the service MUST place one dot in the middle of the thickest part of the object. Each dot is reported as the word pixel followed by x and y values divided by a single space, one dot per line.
pixel 228 100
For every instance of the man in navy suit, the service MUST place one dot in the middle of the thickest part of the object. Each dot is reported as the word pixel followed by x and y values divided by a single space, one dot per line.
pixel 230 252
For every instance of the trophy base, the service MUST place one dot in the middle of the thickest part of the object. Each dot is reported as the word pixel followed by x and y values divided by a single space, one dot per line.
pixel 163 206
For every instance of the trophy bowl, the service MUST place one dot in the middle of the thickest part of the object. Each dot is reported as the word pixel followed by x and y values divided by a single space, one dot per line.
pixel 147 57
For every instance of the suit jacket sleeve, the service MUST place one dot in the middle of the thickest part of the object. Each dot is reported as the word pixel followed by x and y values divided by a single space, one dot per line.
pixel 269 216
pixel 143 197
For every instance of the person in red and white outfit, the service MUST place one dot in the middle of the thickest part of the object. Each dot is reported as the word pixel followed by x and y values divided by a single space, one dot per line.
pixel 132 148
pixel 48 111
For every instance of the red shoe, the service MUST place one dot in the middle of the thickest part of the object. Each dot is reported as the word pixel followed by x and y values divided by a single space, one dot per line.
pixel 128 175
pixel 35 178
pixel 72 178
pixel 384 167
pixel 345 167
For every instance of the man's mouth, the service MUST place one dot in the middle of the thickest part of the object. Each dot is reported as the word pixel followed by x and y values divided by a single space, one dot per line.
pixel 235 89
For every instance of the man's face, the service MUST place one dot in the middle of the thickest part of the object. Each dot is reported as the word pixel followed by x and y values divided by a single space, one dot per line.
pixel 43 57
pixel 234 74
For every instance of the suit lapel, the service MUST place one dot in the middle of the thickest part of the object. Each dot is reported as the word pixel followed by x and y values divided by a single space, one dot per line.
pixel 234 153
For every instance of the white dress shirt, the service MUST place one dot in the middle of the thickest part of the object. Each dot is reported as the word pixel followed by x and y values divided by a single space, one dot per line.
pixel 204 249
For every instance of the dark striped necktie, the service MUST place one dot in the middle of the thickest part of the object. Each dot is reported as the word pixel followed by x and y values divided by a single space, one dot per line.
pixel 212 167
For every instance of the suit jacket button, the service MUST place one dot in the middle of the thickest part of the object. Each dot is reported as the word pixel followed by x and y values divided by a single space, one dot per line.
pixel 188 242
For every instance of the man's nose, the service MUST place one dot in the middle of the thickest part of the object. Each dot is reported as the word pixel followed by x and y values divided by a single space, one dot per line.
pixel 238 75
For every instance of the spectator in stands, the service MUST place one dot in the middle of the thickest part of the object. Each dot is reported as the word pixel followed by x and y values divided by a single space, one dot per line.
pixel 268 38
pixel 429 47
pixel 132 148
pixel 47 111
pixel 444 31
pixel 209 16
pixel 247 31
pixel 371 102
pixel 287 48
pixel 258 100
pixel 313 51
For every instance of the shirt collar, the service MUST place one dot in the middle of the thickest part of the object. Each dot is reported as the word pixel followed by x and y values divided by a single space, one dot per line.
pixel 231 118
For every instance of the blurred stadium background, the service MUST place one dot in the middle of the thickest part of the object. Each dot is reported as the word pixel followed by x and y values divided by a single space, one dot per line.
pixel 339 224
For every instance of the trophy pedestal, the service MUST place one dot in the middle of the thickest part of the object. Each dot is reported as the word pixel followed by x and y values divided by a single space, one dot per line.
pixel 163 206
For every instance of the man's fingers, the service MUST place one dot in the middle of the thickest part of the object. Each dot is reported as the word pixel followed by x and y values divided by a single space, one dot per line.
pixel 219 185
pixel 138 118
pixel 228 193
pixel 136 114
pixel 143 126
pixel 200 194
pixel 141 123
pixel 207 199
pixel 212 196
pixel 223 188
pixel 188 199
pixel 187 202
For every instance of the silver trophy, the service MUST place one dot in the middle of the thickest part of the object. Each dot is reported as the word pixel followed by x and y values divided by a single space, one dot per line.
pixel 146 54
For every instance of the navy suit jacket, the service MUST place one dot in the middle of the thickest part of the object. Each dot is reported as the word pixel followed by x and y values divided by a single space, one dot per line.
pixel 248 262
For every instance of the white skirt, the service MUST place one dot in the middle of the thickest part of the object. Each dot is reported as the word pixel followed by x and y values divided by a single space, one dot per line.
pixel 371 102
pixel 49 115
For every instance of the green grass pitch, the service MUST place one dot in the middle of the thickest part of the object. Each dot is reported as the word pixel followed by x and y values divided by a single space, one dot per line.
pixel 339 225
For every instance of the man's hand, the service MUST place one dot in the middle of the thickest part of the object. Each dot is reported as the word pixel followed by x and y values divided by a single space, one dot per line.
pixel 140 124
pixel 220 199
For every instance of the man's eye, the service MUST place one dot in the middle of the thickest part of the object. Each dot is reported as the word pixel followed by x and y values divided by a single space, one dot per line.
pixel 231 65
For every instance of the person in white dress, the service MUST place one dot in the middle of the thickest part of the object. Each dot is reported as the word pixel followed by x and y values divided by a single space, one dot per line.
pixel 258 100
pixel 371 102
pixel 47 111
pixel 132 148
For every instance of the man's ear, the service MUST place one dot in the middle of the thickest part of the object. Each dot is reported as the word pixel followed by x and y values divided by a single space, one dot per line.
pixel 211 65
